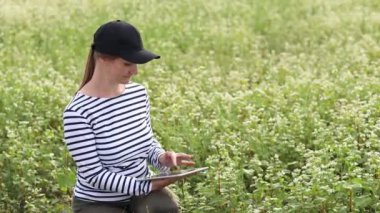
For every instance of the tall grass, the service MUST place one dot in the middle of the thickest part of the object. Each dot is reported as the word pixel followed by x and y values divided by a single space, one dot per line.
pixel 281 99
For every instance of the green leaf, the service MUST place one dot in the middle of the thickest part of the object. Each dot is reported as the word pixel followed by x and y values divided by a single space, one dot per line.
pixel 363 201
pixel 66 179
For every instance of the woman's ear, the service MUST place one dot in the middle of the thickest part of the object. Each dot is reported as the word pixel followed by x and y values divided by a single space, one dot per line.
pixel 106 59
pixel 103 60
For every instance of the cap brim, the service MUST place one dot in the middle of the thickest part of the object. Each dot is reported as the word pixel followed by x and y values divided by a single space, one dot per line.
pixel 139 57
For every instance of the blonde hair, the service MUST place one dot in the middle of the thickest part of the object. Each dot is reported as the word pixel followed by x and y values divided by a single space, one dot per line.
pixel 90 65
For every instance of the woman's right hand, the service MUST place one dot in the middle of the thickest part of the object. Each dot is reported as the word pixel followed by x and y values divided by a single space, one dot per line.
pixel 159 184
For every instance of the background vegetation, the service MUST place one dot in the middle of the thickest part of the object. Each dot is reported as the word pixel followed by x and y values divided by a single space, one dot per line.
pixel 281 99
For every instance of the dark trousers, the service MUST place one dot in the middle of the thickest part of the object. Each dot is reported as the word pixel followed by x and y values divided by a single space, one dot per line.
pixel 156 202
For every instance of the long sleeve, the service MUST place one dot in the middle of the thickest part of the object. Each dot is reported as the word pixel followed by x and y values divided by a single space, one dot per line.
pixel 80 141
pixel 156 149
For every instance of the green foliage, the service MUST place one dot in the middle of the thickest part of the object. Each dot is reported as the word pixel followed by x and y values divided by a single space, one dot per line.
pixel 281 99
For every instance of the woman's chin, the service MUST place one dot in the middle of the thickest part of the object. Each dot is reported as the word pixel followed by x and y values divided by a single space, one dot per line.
pixel 125 80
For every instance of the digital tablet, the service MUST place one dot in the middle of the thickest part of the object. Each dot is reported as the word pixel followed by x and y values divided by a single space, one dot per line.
pixel 174 174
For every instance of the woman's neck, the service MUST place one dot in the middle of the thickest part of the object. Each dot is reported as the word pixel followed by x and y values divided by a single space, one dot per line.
pixel 101 86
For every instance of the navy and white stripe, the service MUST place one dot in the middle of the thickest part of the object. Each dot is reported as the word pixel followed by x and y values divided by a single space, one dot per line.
pixel 111 142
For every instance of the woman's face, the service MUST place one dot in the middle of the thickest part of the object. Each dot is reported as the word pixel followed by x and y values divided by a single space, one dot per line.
pixel 121 71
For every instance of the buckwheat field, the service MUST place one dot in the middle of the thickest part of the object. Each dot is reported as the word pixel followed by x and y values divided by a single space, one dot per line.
pixel 279 98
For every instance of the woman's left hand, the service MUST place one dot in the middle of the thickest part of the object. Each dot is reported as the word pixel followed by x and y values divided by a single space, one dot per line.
pixel 172 159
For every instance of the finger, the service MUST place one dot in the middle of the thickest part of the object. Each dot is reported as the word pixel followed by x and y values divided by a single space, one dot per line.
pixel 187 163
pixel 184 156
pixel 164 182
pixel 170 181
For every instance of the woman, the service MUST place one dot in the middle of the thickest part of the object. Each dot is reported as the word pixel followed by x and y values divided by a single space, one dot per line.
pixel 108 130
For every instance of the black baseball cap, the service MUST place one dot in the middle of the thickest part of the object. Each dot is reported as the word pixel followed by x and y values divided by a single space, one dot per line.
pixel 119 38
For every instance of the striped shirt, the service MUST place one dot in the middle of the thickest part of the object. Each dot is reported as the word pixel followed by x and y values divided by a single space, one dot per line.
pixel 111 142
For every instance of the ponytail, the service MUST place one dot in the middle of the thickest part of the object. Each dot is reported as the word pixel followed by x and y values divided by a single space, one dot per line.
pixel 89 70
